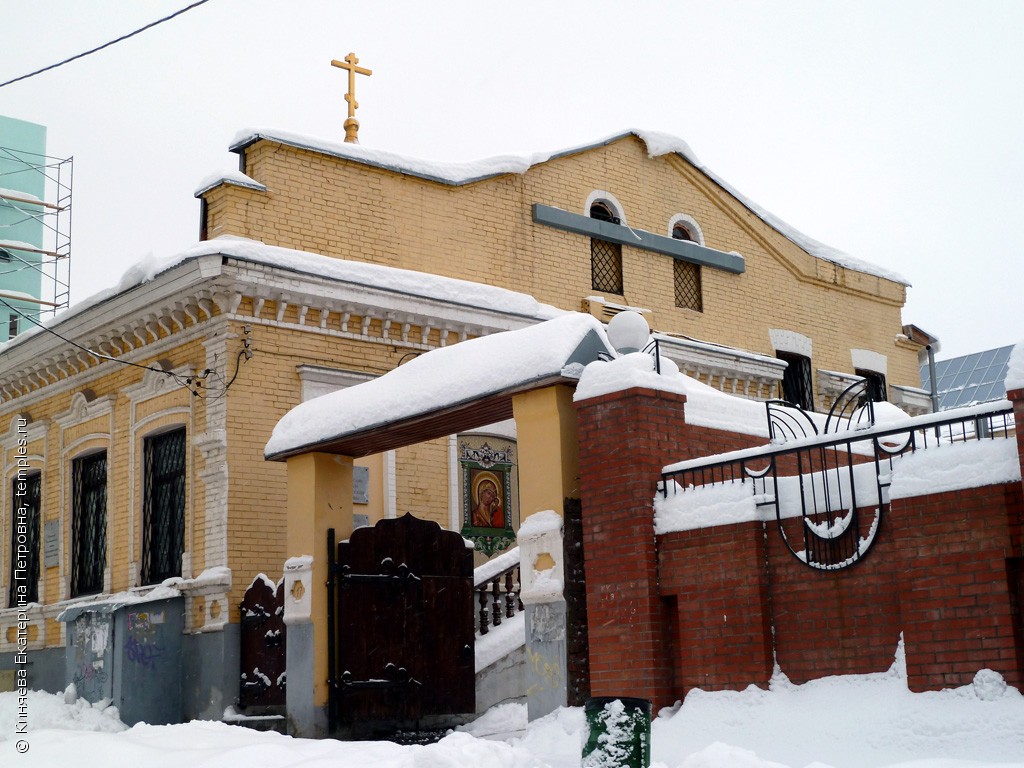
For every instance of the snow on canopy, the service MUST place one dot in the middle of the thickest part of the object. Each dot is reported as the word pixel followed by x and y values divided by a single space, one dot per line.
pixel 657 143
pixel 468 371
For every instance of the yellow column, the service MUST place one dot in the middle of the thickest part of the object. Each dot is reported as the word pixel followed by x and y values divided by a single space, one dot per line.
pixel 319 497
pixel 548 450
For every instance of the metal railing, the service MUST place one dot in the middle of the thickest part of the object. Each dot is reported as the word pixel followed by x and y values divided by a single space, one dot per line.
pixel 829 490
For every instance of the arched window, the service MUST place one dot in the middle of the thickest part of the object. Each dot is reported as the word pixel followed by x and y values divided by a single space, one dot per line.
pixel 89 523
pixel 164 507
pixel 26 497
pixel 605 257
pixel 686 275
pixel 681 232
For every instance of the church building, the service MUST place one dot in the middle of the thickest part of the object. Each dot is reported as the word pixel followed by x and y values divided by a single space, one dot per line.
pixel 135 423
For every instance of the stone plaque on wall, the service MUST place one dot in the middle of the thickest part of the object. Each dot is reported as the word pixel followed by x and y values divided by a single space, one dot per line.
pixel 360 485
pixel 51 544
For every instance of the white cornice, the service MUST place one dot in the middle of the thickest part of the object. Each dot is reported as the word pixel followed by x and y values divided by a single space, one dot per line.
pixel 20 430
pixel 82 409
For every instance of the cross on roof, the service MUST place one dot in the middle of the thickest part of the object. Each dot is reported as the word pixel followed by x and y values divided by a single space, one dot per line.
pixel 350 63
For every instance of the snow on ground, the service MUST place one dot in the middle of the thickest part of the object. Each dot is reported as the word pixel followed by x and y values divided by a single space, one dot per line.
pixel 861 721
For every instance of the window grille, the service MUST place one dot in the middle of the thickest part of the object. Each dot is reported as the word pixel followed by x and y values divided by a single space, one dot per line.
pixel 26 496
pixel 605 257
pixel 164 509
pixel 606 266
pixel 797 386
pixel 89 534
pixel 686 277
pixel 876 385
pixel 12 326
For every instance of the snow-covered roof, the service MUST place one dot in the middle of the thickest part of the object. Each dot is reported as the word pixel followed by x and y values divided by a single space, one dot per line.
pixel 657 144
pixel 442 381
pixel 237 178
pixel 404 281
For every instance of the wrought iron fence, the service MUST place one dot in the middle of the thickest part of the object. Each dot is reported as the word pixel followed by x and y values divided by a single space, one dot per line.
pixel 828 489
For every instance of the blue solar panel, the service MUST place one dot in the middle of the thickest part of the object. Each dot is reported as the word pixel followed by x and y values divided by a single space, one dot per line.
pixel 975 378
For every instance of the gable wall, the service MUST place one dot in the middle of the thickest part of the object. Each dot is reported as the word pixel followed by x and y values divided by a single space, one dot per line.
pixel 484 232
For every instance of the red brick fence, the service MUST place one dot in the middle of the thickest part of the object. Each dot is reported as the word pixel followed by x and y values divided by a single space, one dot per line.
pixel 717 607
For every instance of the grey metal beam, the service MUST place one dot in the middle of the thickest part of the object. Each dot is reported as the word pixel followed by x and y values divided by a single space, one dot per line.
pixel 684 250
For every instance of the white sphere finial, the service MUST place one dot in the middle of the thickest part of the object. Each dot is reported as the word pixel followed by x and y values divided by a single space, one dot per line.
pixel 628 332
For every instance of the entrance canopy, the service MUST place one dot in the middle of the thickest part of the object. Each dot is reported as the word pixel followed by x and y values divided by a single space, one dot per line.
pixel 441 392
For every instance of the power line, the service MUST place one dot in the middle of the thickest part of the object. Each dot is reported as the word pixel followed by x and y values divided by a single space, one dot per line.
pixel 193 384
pixel 105 45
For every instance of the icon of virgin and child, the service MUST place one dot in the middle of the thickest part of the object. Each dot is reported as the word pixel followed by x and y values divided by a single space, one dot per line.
pixel 486 509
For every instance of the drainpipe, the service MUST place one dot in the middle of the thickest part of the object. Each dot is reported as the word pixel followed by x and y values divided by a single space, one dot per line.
pixel 931 377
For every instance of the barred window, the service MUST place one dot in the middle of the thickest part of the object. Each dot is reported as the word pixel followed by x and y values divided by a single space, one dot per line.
pixel 25 514
pixel 164 508
pixel 605 257
pixel 797 386
pixel 686 279
pixel 89 523
pixel 686 276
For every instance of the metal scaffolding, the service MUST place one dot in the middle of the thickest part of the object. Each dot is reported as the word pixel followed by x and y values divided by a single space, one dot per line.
pixel 53 258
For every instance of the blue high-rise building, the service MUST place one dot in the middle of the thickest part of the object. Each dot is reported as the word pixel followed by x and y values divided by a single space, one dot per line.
pixel 23 218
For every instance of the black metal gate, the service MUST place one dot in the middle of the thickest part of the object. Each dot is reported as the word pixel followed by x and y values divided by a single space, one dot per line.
pixel 263 640
pixel 400 625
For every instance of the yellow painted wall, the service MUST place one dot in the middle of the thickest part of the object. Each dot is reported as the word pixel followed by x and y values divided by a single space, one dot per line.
pixel 484 232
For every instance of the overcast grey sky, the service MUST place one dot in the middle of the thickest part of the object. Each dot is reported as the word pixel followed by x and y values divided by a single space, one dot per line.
pixel 890 129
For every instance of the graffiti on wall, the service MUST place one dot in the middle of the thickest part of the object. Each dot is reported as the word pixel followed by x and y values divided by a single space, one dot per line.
pixel 142 645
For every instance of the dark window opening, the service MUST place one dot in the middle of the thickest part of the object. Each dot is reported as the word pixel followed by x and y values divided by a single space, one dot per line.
pixel 89 524
pixel 25 524
pixel 681 232
pixel 6 256
pixel 12 326
pixel 602 212
pixel 686 279
pixel 605 257
pixel 797 386
pixel 876 385
pixel 164 509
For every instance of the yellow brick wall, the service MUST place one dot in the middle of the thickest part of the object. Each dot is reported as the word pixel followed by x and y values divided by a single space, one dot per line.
pixel 484 232
pixel 267 387
pixel 481 232
pixel 110 431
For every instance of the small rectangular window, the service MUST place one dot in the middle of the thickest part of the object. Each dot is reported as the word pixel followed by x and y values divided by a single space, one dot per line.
pixel 876 384
pixel 797 384
pixel 89 523
pixel 12 326
pixel 606 266
pixel 686 278
pixel 164 508
pixel 25 513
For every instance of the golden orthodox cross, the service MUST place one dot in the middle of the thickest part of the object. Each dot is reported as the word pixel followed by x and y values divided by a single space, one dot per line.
pixel 349 63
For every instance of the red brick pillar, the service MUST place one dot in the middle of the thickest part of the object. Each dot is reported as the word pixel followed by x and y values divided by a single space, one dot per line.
pixel 625 438
pixel 959 579
pixel 1016 397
